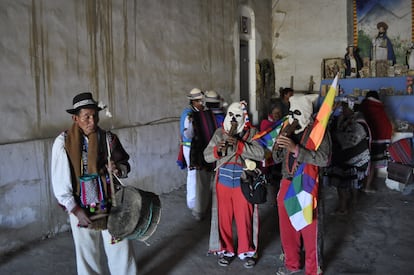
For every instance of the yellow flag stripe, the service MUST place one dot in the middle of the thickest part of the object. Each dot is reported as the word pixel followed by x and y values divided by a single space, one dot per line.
pixel 322 118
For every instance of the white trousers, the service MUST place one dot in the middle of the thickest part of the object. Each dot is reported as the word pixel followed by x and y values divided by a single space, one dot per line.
pixel 198 186
pixel 120 256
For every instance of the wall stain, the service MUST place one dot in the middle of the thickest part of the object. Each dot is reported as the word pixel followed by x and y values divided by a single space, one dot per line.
pixel 135 29
pixel 91 28
pixel 34 60
pixel 40 64
pixel 126 45
pixel 99 29
pixel 77 19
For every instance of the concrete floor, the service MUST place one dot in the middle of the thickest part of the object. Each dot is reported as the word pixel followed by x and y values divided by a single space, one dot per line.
pixel 376 238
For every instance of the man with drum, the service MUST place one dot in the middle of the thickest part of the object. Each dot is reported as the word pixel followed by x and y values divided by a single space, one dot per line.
pixel 82 184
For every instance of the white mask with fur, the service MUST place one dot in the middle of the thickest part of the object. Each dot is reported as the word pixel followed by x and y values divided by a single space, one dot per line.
pixel 303 104
pixel 235 111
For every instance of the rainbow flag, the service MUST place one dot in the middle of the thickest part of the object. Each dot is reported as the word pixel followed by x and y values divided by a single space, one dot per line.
pixel 302 195
pixel 267 137
pixel 300 199
pixel 322 118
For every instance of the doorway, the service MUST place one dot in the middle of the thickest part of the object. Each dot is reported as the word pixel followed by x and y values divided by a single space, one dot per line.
pixel 244 71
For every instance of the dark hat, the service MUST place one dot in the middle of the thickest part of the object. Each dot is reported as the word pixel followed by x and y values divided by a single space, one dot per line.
pixel 373 94
pixel 382 24
pixel 82 101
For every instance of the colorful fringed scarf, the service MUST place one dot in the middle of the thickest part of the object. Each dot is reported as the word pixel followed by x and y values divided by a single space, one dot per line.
pixel 247 123
pixel 267 137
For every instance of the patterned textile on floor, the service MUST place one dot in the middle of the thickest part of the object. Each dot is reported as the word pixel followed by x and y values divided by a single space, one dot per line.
pixel 402 151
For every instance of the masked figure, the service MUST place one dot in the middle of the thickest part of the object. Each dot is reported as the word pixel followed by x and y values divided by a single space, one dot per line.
pixel 229 147
pixel 292 154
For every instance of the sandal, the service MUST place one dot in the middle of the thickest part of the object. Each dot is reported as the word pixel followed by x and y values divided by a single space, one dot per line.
pixel 249 262
pixel 224 260
pixel 370 190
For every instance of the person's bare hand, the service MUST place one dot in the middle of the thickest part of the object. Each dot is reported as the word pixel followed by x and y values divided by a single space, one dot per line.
pixel 83 219
pixel 112 168
pixel 285 142
pixel 231 141
pixel 221 145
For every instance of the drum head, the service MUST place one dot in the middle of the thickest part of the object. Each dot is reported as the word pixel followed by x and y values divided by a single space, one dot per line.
pixel 123 218
pixel 150 216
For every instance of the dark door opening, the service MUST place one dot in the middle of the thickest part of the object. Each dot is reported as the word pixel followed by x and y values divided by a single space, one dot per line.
pixel 244 71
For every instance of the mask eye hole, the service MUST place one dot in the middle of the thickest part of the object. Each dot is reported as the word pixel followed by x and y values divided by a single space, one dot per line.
pixel 231 114
pixel 295 112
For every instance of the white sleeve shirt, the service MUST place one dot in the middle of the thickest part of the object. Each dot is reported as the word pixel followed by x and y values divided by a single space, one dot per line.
pixel 188 128
pixel 61 175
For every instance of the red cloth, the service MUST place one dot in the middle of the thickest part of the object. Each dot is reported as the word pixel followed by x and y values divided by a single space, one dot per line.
pixel 180 157
pixel 266 124
pixel 291 239
pixel 233 205
pixel 401 151
pixel 377 119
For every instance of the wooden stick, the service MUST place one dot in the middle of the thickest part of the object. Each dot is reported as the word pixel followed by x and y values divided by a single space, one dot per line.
pixel 111 180
pixel 98 216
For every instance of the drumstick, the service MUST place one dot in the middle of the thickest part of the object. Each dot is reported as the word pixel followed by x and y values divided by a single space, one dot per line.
pixel 111 180
pixel 119 180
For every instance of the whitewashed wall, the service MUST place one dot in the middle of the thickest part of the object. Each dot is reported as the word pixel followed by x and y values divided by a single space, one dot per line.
pixel 303 33
pixel 141 57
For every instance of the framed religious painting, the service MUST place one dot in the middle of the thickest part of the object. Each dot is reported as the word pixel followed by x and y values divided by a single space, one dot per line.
pixel 332 66
pixel 396 36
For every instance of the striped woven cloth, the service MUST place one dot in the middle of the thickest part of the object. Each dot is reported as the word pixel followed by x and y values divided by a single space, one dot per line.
pixel 402 151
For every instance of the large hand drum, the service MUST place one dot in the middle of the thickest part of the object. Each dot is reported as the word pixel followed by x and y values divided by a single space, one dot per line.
pixel 136 215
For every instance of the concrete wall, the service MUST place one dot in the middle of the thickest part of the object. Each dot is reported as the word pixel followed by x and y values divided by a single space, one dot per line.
pixel 140 57
pixel 304 33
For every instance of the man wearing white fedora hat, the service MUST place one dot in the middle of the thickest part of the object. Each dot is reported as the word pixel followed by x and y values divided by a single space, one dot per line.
pixel 198 178
pixel 216 104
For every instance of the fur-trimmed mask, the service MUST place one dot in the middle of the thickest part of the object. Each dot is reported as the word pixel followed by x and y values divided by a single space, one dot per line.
pixel 235 113
pixel 301 108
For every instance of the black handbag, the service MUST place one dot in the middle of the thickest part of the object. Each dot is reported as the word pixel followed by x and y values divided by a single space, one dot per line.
pixel 253 186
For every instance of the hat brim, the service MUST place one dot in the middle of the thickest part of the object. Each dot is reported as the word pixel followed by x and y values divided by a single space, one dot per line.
pixel 91 106
pixel 212 100
pixel 195 98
